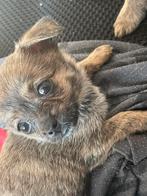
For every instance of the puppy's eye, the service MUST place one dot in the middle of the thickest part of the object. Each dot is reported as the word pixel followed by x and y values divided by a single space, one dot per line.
pixel 45 88
pixel 24 127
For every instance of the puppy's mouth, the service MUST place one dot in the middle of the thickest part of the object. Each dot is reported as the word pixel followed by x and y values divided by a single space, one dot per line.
pixel 62 127
pixel 60 130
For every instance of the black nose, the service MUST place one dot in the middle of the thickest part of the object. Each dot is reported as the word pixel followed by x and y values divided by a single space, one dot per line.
pixel 56 129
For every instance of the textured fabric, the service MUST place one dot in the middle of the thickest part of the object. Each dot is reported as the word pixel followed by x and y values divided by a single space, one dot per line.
pixel 120 176
pixel 82 19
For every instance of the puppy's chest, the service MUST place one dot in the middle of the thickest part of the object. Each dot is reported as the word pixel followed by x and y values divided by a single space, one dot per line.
pixel 41 177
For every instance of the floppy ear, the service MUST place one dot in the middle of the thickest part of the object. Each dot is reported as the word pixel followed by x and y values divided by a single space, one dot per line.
pixel 44 29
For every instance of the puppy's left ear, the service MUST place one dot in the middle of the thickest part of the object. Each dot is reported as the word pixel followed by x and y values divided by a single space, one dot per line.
pixel 44 30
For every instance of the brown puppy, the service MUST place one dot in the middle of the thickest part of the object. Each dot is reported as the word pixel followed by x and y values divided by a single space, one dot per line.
pixel 130 16
pixel 54 116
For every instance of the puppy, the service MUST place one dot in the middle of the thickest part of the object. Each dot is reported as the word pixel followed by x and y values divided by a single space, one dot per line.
pixel 130 16
pixel 54 117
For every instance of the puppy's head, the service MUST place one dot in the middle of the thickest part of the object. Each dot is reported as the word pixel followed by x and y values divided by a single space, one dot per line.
pixel 44 96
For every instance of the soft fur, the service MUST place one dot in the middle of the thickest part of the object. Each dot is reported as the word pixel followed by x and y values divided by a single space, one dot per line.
pixel 130 16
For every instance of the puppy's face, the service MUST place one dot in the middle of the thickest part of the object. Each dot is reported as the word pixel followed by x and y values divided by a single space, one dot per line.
pixel 40 94
pixel 43 93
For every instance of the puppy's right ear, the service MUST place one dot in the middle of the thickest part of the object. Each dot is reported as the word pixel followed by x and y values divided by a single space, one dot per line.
pixel 44 30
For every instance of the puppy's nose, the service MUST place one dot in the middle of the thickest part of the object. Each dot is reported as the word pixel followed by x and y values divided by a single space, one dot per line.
pixel 56 129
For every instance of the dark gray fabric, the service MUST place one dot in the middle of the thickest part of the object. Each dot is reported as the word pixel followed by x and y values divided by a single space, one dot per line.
pixel 125 171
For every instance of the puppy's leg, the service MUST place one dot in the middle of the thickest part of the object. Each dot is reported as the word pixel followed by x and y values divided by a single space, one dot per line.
pixel 130 16
pixel 95 59
pixel 124 123
pixel 120 126
pixel 115 129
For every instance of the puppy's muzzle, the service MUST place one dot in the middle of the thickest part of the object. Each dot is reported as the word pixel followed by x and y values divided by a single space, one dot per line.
pixel 57 129
pixel 61 125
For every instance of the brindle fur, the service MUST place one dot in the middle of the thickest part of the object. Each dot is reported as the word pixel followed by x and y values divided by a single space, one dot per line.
pixel 32 165
pixel 130 16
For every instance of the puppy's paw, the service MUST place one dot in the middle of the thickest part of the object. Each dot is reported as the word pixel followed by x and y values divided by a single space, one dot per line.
pixel 100 55
pixel 104 50
pixel 124 26
pixel 128 19
pixel 95 59
pixel 124 123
